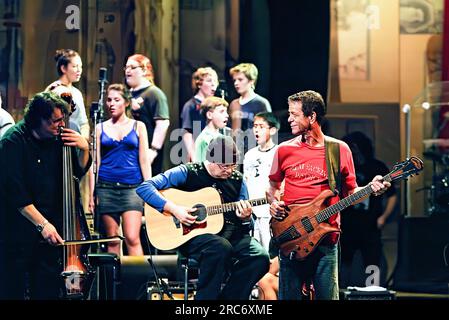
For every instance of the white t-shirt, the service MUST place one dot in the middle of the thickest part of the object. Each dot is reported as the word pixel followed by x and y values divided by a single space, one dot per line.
pixel 256 168
pixel 6 121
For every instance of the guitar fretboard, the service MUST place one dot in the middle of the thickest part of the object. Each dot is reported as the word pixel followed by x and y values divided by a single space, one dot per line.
pixel 232 206
pixel 347 202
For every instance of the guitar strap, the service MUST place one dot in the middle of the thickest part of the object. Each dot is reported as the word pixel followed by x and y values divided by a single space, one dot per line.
pixel 332 150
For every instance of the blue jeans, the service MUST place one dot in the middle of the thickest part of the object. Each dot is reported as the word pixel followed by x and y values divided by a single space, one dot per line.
pixel 321 267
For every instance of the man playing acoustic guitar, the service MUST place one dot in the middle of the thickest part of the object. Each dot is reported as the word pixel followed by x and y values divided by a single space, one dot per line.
pixel 214 252
pixel 302 163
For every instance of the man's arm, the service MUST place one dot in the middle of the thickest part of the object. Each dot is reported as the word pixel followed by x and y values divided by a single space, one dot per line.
pixel 174 177
pixel 277 207
pixel 149 190
pixel 48 232
pixel 273 191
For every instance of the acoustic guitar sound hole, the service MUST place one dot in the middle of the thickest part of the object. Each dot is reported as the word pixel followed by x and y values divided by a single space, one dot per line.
pixel 200 213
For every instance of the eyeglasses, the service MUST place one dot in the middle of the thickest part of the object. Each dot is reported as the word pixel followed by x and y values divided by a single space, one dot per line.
pixel 56 120
pixel 131 67
pixel 231 166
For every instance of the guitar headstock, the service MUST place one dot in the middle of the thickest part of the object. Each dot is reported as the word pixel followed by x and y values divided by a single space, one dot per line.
pixel 407 168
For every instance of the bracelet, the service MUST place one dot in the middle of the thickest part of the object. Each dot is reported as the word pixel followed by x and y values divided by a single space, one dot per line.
pixel 155 149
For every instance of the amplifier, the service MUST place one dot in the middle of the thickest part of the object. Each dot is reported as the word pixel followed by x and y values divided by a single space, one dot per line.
pixel 368 295
pixel 175 288
pixel 137 272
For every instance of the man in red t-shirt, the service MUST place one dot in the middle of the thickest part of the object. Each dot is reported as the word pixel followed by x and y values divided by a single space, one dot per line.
pixel 301 164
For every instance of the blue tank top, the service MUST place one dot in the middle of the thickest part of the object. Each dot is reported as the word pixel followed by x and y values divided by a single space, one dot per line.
pixel 120 159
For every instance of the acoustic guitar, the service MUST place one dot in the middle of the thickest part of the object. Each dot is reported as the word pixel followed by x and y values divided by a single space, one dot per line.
pixel 166 232
pixel 305 225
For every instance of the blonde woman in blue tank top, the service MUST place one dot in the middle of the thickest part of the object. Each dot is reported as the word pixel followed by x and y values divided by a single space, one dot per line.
pixel 122 165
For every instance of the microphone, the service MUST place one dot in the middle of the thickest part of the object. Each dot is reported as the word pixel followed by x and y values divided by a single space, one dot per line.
pixel 222 90
pixel 102 75
pixel 93 110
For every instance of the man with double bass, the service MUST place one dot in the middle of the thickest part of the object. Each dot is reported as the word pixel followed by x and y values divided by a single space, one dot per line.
pixel 301 164
pixel 31 185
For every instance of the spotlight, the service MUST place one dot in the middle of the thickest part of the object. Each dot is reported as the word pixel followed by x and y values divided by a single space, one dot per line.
pixel 426 105
pixel 406 108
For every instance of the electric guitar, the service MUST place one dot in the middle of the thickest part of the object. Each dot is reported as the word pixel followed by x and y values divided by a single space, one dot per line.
pixel 305 225
pixel 166 232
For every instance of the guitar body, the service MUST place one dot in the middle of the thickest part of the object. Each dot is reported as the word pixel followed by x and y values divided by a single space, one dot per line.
pixel 301 225
pixel 166 233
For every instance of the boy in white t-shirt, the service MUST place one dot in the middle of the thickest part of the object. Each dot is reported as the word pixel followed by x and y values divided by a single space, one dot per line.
pixel 256 168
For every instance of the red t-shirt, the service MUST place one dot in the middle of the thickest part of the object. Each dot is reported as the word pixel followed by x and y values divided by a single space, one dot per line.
pixel 304 169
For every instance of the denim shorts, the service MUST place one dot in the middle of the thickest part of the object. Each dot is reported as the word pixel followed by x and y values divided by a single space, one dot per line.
pixel 117 198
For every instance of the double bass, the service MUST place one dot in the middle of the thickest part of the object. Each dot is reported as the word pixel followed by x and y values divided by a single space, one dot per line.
pixel 78 274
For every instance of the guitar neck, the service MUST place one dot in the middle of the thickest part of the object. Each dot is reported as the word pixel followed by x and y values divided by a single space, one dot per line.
pixel 232 206
pixel 347 202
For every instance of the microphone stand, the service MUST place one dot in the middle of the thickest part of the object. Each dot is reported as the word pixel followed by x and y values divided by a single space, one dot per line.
pixel 160 283
pixel 97 115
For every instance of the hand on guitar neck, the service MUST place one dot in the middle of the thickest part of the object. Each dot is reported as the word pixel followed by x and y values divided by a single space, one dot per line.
pixel 243 210
pixel 378 185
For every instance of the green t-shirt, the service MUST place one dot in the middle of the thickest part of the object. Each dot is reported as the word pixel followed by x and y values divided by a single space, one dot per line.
pixel 202 142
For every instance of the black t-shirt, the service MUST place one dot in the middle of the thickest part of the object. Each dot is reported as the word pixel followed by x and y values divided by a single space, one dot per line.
pixel 155 107
pixel 191 117
pixel 364 174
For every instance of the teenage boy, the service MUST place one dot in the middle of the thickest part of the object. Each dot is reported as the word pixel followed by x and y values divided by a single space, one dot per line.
pixel 256 168
pixel 215 110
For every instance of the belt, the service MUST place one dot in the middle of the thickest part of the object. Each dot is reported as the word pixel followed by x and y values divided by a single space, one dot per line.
pixel 119 185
